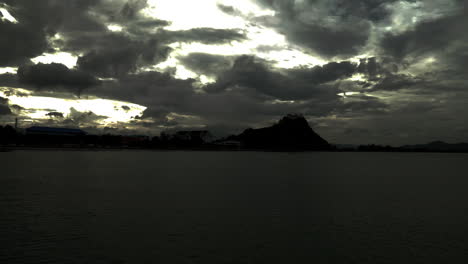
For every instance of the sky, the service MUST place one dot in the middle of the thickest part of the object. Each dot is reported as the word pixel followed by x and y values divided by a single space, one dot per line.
pixel 361 72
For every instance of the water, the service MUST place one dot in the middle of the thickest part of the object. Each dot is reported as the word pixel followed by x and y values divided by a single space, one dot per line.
pixel 232 207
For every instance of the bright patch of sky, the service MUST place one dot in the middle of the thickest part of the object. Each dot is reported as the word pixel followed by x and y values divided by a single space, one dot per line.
pixel 185 15
pixel 7 16
pixel 277 101
pixel 359 77
pixel 197 14
pixel 114 28
pixel 8 70
pixel 65 58
pixel 113 110
pixel 346 94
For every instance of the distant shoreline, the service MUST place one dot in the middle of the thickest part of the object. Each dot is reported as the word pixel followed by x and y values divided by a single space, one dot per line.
pixel 208 149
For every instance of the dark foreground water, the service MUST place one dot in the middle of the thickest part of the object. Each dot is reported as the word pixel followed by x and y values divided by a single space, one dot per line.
pixel 233 207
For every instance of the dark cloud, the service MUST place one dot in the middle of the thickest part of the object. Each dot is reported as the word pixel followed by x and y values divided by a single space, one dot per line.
pixel 122 56
pixel 329 42
pixel 246 94
pixel 3 100
pixel 109 63
pixel 227 9
pixel 17 108
pixel 204 35
pixel 362 105
pixel 131 8
pixel 393 82
pixel 55 114
pixel 8 80
pixel 39 20
pixel 371 68
pixel 428 37
pixel 78 118
pixel 336 28
pixel 4 109
pixel 82 28
pixel 151 24
pixel 207 64
pixel 147 88
pixel 15 50
pixel 163 95
pixel 399 91
pixel 294 84
pixel 55 75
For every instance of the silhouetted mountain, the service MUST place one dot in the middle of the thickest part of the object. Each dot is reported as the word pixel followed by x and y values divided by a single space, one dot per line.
pixel 292 132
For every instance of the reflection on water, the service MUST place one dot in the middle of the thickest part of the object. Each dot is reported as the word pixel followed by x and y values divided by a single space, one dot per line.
pixel 232 207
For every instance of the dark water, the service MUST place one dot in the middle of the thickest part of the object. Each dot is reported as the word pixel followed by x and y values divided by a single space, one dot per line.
pixel 233 207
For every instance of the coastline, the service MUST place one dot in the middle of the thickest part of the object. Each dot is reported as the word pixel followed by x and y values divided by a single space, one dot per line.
pixel 210 149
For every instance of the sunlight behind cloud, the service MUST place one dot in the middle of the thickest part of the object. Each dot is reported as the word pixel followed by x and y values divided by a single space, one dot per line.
pixel 8 70
pixel 247 7
pixel 282 54
pixel 185 14
pixel 115 28
pixel 64 58
pixel 37 107
pixel 346 94
pixel 265 43
pixel 358 77
pixel 7 16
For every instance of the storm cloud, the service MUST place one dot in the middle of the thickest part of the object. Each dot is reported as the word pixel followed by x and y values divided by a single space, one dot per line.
pixel 55 75
pixel 329 28
pixel 294 84
pixel 4 109
pixel 373 71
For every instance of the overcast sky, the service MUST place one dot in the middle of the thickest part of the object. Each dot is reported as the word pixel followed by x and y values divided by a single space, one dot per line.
pixel 361 71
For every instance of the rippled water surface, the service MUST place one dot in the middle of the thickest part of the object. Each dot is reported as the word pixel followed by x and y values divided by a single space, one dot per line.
pixel 232 207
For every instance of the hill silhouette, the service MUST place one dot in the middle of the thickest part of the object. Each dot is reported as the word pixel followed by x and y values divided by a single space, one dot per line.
pixel 292 132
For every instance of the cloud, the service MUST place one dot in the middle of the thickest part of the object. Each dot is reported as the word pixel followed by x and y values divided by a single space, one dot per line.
pixel 431 37
pixel 227 9
pixel 3 100
pixel 329 28
pixel 55 75
pixel 14 49
pixel 393 82
pixel 86 118
pixel 4 109
pixel 55 115
pixel 121 56
pixel 8 80
pixel 131 8
pixel 361 105
pixel 204 35
pixel 207 64
pixel 37 22
pixel 245 94
pixel 413 64
pixel 293 84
